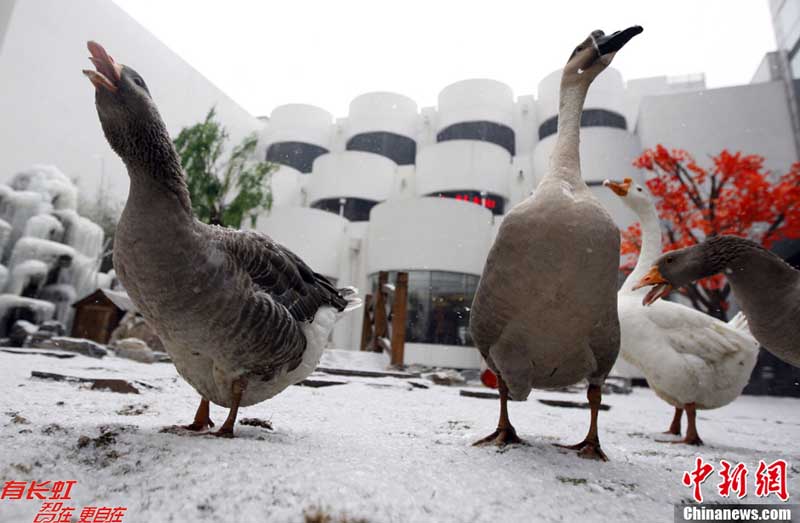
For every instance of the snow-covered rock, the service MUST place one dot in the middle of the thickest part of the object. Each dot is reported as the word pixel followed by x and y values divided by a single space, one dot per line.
pixel 20 332
pixel 13 308
pixel 78 345
pixel 134 349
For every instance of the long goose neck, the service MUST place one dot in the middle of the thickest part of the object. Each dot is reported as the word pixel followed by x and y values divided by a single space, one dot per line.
pixel 651 246
pixel 158 182
pixel 565 163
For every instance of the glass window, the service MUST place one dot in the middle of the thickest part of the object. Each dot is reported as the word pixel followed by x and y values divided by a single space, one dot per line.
pixel 299 155
pixel 353 209
pixel 438 306
pixel 589 118
pixel 484 131
pixel 400 149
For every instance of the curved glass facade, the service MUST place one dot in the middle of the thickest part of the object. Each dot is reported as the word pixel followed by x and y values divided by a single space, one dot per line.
pixel 402 150
pixel 484 131
pixel 299 155
pixel 353 209
pixel 589 118
pixel 439 303
pixel 493 202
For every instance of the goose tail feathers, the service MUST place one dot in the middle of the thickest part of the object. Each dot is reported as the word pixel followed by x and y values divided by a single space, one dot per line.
pixel 350 295
pixel 739 322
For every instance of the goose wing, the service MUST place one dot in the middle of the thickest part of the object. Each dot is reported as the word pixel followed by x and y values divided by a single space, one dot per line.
pixel 691 332
pixel 277 271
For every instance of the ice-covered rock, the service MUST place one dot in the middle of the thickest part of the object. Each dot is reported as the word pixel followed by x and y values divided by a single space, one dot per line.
pixel 52 253
pixel 5 234
pixel 16 208
pixel 49 181
pixel 54 326
pixel 13 308
pixel 44 226
pixel 27 278
pixel 3 276
pixel 81 233
pixel 20 332
pixel 62 295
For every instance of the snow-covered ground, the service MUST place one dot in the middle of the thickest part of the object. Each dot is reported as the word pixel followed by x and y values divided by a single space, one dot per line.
pixel 374 449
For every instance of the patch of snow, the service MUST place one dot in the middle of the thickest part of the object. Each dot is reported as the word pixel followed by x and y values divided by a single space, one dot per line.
pixel 374 448
pixel 50 252
pixel 23 273
pixel 44 226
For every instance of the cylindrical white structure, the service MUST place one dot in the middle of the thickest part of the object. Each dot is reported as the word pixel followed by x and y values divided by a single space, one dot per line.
pixel 463 165
pixel 604 106
pixel 296 135
pixel 287 187
pixel 444 235
pixel 383 123
pixel 382 111
pixel 443 248
pixel 359 179
pixel 317 237
pixel 605 153
pixel 477 109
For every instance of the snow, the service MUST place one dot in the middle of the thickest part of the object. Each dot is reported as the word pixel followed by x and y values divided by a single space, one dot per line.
pixel 50 252
pixel 23 273
pixel 49 181
pixel 41 310
pixel 44 226
pixel 374 448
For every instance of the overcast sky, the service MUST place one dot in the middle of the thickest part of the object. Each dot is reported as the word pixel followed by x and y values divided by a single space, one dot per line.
pixel 268 53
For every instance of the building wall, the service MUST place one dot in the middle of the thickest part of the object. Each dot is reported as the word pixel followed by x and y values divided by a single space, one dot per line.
pixel 47 105
pixel 754 119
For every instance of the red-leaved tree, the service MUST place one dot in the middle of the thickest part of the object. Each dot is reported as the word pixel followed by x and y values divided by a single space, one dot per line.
pixel 735 195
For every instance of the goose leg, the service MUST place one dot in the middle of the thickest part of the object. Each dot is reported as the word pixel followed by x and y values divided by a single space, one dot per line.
pixel 201 422
pixel 505 432
pixel 237 389
pixel 675 426
pixel 589 448
pixel 202 419
pixel 692 438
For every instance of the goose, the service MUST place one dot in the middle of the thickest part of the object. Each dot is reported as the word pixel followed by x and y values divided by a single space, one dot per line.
pixel 691 360
pixel 545 311
pixel 241 316
pixel 766 288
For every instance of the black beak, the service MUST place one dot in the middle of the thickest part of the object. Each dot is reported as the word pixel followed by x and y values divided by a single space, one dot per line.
pixel 615 41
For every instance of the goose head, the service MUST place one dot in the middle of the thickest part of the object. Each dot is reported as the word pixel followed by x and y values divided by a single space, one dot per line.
pixel 126 109
pixel 675 269
pixel 595 53
pixel 633 195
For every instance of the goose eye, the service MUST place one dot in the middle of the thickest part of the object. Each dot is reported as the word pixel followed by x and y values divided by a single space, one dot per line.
pixel 639 189
pixel 670 260
pixel 138 81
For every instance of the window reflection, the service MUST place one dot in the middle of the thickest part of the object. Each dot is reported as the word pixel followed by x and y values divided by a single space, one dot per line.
pixel 438 306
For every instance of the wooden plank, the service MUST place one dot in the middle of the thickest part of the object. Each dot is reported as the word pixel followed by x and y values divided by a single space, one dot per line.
pixel 366 323
pixel 368 373
pixel 399 312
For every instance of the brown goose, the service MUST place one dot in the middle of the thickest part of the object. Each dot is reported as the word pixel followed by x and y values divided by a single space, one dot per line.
pixel 241 316
pixel 545 313
pixel 765 287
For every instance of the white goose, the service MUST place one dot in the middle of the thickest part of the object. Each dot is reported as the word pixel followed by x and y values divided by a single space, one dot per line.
pixel 690 359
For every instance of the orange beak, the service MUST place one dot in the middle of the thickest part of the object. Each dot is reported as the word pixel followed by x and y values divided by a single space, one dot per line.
pixel 621 189
pixel 108 71
pixel 661 286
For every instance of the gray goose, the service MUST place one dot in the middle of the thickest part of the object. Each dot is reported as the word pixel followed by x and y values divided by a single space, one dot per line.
pixel 545 312
pixel 241 316
pixel 765 287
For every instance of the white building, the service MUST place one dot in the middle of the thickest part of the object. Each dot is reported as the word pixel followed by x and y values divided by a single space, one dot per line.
pixel 47 105
pixel 391 187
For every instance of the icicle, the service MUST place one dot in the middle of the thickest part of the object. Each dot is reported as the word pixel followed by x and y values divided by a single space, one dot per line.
pixel 62 296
